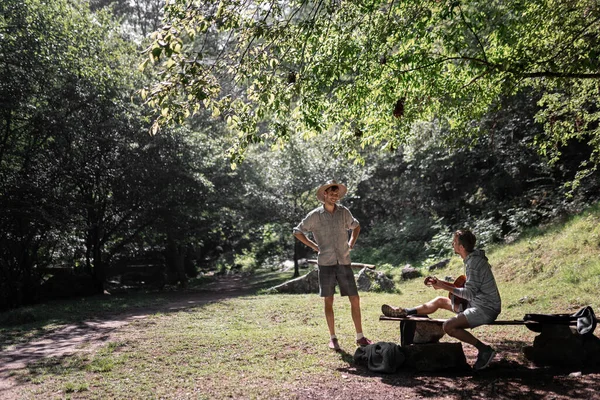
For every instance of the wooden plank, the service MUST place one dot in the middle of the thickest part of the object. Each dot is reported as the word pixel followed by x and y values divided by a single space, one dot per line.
pixel 353 265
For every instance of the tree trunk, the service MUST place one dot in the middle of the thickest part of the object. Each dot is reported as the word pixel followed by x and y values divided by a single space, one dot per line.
pixel 175 260
pixel 99 266
pixel 296 250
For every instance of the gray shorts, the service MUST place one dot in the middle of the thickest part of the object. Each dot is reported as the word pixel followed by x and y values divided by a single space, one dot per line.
pixel 478 316
pixel 330 275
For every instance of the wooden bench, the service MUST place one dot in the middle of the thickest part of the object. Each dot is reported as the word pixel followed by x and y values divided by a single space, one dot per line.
pixel 408 325
pixel 557 343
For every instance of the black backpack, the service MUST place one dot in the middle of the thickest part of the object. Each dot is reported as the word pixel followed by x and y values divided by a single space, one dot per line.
pixel 585 319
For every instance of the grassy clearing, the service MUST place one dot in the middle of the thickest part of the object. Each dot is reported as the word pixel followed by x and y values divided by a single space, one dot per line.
pixel 268 346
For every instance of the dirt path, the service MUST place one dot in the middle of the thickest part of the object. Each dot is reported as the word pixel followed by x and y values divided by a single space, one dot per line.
pixel 89 335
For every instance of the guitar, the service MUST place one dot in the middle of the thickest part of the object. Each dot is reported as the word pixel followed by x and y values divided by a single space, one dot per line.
pixel 458 282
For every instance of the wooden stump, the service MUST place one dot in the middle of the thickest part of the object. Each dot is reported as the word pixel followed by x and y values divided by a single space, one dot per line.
pixel 561 345
pixel 435 357
pixel 420 332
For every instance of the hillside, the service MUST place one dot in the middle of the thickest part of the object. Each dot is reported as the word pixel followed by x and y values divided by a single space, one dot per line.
pixel 554 268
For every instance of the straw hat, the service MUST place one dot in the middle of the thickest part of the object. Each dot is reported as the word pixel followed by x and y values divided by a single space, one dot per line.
pixel 321 190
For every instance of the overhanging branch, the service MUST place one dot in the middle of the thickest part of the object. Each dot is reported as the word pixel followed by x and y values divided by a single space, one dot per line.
pixel 550 74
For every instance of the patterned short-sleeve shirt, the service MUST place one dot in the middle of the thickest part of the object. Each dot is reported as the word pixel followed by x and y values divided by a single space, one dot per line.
pixel 330 232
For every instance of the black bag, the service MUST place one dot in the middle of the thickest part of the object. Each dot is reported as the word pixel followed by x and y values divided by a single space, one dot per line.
pixel 585 319
pixel 384 357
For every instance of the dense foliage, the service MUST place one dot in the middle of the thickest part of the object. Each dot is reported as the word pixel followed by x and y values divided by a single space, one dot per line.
pixel 370 69
pixel 497 186
pixel 65 79
pixel 81 180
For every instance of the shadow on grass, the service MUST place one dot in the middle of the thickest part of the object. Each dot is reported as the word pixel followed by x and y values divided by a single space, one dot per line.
pixel 346 357
pixel 33 322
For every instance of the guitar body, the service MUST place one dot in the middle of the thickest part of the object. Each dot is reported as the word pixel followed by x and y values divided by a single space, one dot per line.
pixel 458 282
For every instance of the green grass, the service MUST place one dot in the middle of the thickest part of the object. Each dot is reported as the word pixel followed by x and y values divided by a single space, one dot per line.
pixel 266 346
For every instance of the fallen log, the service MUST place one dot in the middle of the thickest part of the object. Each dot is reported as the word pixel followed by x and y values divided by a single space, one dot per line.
pixel 353 265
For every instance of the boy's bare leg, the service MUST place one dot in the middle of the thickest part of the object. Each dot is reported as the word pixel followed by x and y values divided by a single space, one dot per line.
pixel 329 316
pixel 434 305
pixel 355 310
pixel 456 327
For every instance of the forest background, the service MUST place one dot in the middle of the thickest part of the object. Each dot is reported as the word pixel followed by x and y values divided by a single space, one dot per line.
pixel 190 138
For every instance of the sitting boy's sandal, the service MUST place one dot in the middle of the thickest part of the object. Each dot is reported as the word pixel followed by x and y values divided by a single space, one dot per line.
pixel 393 312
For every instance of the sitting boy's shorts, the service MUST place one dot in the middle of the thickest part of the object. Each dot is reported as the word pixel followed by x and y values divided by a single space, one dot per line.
pixel 479 316
pixel 330 275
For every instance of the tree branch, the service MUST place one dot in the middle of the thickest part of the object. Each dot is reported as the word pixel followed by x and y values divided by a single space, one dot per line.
pixel 462 16
pixel 570 43
pixel 311 28
pixel 550 74
pixel 254 37
pixel 538 74
pixel 443 60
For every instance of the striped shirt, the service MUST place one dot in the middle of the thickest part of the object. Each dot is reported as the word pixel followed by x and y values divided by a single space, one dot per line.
pixel 330 232
pixel 480 289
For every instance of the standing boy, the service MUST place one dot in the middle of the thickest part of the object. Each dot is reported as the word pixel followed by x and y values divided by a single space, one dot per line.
pixel 329 225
